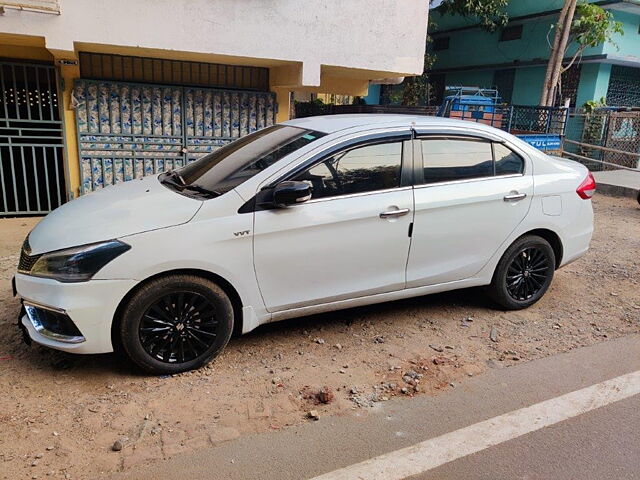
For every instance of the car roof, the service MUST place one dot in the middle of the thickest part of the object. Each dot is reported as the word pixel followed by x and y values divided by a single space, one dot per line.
pixel 335 123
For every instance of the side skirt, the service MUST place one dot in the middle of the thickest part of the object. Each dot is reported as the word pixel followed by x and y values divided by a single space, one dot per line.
pixel 379 298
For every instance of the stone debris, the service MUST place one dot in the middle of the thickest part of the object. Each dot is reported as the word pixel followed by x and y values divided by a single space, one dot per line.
pixel 119 444
pixel 440 360
pixel 493 335
pixel 325 395
pixel 313 415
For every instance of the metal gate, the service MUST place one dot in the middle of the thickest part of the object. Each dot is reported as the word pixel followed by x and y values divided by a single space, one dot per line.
pixel 31 144
pixel 129 130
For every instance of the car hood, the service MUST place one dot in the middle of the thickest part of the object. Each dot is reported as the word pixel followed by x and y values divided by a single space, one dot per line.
pixel 114 211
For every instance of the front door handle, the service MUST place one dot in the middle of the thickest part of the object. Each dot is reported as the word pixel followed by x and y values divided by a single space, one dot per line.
pixel 514 197
pixel 394 213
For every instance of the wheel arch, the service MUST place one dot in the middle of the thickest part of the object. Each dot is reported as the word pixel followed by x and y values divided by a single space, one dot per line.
pixel 554 240
pixel 228 288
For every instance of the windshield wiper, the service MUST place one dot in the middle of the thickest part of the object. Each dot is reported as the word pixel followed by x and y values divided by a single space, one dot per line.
pixel 199 189
pixel 174 179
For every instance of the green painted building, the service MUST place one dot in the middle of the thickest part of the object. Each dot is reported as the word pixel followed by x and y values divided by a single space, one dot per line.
pixel 514 58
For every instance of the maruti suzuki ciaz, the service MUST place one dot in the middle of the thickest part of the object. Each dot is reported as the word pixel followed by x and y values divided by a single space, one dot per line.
pixel 307 216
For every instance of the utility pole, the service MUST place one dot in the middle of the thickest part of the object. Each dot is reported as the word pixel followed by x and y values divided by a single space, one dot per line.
pixel 560 40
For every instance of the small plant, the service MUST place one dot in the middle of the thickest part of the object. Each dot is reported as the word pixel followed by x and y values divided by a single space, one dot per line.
pixel 591 106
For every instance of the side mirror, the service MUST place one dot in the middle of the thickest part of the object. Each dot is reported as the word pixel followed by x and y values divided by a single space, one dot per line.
pixel 290 193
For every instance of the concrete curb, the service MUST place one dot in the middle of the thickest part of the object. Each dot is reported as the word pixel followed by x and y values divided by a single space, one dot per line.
pixel 618 191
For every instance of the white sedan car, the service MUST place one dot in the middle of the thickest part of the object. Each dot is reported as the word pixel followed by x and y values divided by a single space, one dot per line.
pixel 307 216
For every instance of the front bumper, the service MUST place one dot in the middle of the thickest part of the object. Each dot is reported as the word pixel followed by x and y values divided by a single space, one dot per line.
pixel 91 306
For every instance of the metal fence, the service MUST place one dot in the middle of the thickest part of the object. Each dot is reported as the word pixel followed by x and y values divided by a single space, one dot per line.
pixel 525 119
pixel 604 140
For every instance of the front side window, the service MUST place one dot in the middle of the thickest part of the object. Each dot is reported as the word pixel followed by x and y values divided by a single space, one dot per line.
pixel 362 169
pixel 238 161
pixel 448 159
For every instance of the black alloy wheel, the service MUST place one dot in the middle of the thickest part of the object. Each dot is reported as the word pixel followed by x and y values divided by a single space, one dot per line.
pixel 527 273
pixel 175 323
pixel 523 274
pixel 179 327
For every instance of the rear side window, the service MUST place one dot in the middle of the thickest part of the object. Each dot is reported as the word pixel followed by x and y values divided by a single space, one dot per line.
pixel 448 159
pixel 507 161
pixel 364 169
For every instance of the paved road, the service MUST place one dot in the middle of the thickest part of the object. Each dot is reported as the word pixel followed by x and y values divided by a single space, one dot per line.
pixel 490 415
pixel 602 444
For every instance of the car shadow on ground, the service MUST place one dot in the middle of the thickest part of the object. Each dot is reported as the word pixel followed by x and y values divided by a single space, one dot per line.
pixel 42 358
pixel 470 297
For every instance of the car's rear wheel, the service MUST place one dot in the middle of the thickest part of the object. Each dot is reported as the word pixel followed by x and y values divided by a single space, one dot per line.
pixel 523 274
pixel 176 323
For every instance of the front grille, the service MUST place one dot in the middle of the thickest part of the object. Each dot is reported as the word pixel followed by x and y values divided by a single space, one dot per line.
pixel 27 262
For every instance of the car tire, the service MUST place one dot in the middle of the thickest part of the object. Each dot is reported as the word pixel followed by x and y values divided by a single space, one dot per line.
pixel 523 274
pixel 176 323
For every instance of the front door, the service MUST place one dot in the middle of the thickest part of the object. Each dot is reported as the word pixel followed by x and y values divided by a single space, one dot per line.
pixel 473 194
pixel 351 239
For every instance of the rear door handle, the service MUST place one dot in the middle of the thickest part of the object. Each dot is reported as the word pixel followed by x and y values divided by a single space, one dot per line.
pixel 394 213
pixel 514 197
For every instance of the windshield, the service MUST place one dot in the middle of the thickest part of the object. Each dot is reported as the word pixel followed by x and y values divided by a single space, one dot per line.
pixel 238 161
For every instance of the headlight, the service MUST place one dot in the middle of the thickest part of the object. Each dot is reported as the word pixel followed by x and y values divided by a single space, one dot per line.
pixel 78 264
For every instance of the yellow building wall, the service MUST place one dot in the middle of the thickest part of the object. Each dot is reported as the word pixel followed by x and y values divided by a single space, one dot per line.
pixel 68 74
pixel 24 53
pixel 20 47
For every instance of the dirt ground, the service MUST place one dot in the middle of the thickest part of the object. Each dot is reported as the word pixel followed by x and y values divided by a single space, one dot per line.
pixel 61 414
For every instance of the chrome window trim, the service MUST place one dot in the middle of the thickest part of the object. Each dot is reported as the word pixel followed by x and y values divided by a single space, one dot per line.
pixel 353 195
pixel 468 180
pixel 30 309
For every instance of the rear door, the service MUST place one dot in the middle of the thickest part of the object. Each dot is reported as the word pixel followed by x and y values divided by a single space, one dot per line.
pixel 470 194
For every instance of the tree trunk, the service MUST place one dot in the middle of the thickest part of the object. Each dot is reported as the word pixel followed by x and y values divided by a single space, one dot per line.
pixel 553 53
pixel 562 48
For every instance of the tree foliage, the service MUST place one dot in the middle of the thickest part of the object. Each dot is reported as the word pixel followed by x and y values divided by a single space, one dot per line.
pixel 592 26
pixel 490 14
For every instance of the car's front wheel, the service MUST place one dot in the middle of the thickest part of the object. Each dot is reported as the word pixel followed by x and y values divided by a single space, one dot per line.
pixel 176 323
pixel 523 274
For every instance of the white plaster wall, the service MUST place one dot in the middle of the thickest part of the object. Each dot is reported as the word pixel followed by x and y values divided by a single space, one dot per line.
pixel 381 35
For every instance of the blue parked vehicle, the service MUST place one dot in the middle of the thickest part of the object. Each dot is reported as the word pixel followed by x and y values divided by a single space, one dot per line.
pixel 541 127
